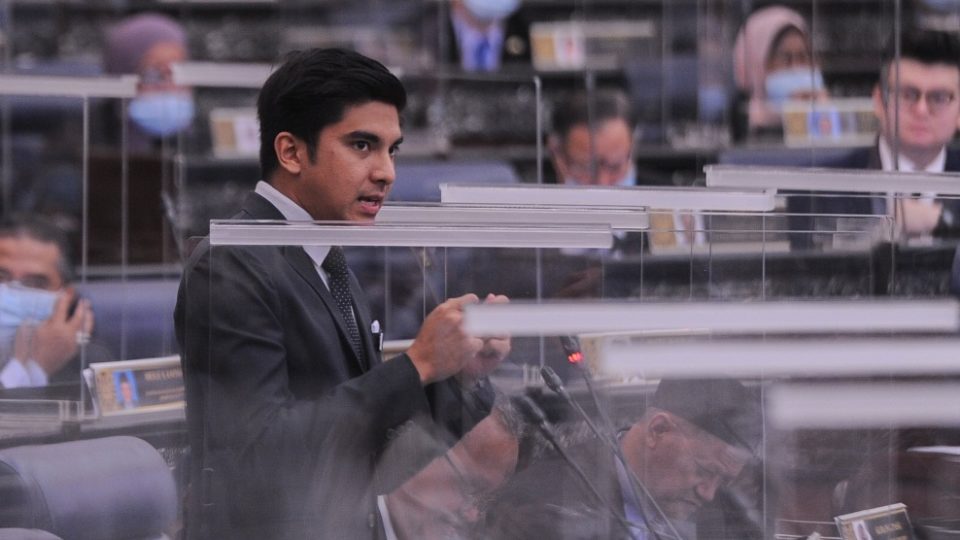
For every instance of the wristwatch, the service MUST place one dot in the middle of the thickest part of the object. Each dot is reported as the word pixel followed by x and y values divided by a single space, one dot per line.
pixel 947 225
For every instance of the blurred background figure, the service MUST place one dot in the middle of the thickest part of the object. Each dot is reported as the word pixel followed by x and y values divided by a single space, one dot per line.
pixel 773 63
pixel 480 33
pixel 42 321
pixel 147 45
pixel 601 155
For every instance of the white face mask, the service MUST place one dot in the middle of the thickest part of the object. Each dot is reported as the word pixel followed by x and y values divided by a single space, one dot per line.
pixel 19 305
pixel 491 10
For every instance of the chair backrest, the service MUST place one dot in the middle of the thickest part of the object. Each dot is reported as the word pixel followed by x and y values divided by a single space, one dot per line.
pixel 114 487
pixel 134 319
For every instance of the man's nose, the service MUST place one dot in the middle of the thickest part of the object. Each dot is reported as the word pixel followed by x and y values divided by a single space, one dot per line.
pixel 707 489
pixel 385 170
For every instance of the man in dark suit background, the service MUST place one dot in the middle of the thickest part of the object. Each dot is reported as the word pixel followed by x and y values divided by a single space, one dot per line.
pixel 290 410
pixel 917 103
pixel 486 34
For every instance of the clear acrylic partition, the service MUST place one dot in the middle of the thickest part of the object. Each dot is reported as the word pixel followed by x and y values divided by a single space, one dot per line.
pixel 831 407
pixel 65 172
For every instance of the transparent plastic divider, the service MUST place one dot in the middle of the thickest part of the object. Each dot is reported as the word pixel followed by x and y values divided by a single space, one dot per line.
pixel 553 318
pixel 124 86
pixel 221 74
pixel 304 233
pixel 666 198
pixel 617 218
pixel 783 357
pixel 830 180
pixel 858 405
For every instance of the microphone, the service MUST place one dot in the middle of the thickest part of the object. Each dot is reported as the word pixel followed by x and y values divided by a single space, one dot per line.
pixel 535 416
pixel 553 382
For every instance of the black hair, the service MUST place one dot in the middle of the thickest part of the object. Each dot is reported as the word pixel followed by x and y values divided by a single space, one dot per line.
pixel 312 89
pixel 41 230
pixel 924 46
pixel 574 110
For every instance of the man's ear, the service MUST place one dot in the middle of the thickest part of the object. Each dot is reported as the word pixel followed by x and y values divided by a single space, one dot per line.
pixel 879 107
pixel 660 426
pixel 291 152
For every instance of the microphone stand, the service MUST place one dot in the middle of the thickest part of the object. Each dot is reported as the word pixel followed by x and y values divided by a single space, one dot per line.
pixel 535 416
pixel 553 382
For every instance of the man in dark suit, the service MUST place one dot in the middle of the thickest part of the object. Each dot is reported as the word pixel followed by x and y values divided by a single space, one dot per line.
pixel 692 441
pixel 290 409
pixel 917 103
pixel 44 323
pixel 486 34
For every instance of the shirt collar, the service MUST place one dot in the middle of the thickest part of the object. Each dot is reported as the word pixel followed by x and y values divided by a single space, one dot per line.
pixel 291 212
pixel 906 164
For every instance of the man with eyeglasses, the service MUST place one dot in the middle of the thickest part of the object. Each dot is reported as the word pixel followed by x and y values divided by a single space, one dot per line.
pixel 601 156
pixel 42 322
pixel 917 104
pixel 591 144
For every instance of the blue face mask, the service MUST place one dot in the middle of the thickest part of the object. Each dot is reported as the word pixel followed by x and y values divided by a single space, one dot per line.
pixel 491 10
pixel 943 6
pixel 162 114
pixel 783 84
pixel 19 304
pixel 628 179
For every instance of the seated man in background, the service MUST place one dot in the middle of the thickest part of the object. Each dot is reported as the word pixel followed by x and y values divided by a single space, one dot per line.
pixel 43 322
pixel 601 156
pixel 485 34
pixel 693 440
pixel 917 103
pixel 591 144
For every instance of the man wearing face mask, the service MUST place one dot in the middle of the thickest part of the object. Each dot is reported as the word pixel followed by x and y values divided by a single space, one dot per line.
pixel 485 34
pixel 42 322
pixel 147 45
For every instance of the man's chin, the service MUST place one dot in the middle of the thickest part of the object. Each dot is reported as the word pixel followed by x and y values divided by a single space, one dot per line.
pixel 680 510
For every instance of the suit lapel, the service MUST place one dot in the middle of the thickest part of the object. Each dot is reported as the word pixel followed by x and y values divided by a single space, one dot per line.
pixel 303 265
pixel 257 207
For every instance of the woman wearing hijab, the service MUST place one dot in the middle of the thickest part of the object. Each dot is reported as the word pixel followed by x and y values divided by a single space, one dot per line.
pixel 773 63
pixel 147 45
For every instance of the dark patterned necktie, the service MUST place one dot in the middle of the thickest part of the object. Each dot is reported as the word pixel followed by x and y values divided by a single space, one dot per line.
pixel 336 267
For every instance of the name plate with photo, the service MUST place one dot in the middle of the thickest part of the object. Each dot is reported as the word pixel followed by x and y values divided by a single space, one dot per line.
pixel 883 523
pixel 131 386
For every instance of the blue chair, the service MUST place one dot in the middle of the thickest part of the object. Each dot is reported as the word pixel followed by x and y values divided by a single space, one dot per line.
pixel 114 487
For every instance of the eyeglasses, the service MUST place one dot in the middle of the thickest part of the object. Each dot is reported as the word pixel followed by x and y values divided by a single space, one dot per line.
pixel 937 100
pixel 585 169
pixel 32 281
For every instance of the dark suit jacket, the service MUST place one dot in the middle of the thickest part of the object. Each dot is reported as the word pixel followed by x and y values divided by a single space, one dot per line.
pixel 286 424
pixel 547 500
pixel 867 158
pixel 515 28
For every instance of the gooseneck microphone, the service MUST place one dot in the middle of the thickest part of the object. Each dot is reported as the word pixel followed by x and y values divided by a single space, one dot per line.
pixel 553 382
pixel 535 416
